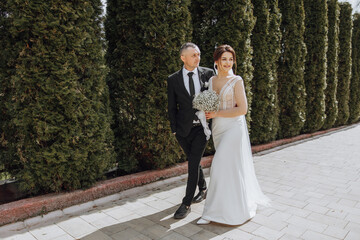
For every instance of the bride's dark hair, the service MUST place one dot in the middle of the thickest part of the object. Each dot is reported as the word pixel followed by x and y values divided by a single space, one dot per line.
pixel 224 48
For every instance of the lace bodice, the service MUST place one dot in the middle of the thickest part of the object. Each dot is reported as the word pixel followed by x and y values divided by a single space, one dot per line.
pixel 227 93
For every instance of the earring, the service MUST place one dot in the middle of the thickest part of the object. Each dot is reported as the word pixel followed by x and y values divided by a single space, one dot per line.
pixel 215 68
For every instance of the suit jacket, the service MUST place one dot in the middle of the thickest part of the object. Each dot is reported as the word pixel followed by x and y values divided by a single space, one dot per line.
pixel 180 110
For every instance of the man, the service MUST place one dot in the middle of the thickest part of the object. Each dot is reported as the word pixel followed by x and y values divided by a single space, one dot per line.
pixel 183 85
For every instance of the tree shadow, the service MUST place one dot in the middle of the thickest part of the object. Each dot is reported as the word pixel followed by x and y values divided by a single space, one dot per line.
pixel 136 218
pixel 160 225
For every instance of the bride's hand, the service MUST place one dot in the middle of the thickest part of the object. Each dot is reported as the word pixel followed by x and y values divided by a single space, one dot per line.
pixel 210 115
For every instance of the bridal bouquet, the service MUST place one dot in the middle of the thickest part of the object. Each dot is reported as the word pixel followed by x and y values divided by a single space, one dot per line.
pixel 206 101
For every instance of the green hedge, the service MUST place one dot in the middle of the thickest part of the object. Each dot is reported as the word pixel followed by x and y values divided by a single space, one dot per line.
pixel 331 105
pixel 225 22
pixel 345 62
pixel 5 75
pixel 354 103
pixel 316 40
pixel 144 38
pixel 58 136
pixel 275 37
pixel 291 86
pixel 265 41
pixel 54 102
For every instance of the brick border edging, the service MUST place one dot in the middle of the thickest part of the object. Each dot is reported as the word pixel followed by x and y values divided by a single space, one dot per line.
pixel 277 143
pixel 35 206
pixel 31 207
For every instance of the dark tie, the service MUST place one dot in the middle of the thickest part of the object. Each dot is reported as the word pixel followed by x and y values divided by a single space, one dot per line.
pixel 191 84
pixel 192 89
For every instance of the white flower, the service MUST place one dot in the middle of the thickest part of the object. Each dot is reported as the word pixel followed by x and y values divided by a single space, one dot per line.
pixel 207 101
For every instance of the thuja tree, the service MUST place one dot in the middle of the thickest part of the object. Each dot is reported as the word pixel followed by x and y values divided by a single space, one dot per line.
pixel 144 38
pixel 266 44
pixel 345 62
pixel 316 30
pixel 291 86
pixel 225 22
pixel 5 46
pixel 58 135
pixel 354 103
pixel 331 107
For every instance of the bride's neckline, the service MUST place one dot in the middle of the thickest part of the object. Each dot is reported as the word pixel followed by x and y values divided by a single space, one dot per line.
pixel 221 89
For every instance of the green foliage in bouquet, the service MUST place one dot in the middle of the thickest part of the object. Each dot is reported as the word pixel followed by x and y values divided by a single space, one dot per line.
pixel 144 37
pixel 316 40
pixel 265 41
pixel 345 62
pixel 354 103
pixel 291 86
pixel 225 22
pixel 331 106
pixel 58 134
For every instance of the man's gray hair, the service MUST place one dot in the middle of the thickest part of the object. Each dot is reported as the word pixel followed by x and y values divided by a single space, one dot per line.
pixel 186 46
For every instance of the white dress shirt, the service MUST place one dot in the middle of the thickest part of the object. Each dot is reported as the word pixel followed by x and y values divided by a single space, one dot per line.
pixel 196 80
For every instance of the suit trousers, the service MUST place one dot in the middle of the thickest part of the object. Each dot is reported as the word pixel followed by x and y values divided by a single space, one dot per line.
pixel 194 146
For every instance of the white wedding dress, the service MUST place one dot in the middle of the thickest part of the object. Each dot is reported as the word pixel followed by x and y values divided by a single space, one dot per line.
pixel 233 192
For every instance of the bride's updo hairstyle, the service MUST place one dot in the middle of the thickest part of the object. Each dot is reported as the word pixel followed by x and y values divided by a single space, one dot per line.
pixel 224 48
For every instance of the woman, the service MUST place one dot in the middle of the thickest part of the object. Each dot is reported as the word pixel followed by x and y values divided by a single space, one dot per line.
pixel 233 192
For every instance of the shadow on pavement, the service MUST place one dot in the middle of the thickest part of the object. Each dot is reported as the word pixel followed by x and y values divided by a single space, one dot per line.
pixel 160 225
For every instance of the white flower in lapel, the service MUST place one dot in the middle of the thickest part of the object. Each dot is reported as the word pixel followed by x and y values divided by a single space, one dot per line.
pixel 203 83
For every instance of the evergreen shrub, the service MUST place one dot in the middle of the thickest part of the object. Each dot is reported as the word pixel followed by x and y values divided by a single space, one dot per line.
pixel 316 40
pixel 144 38
pixel 58 136
pixel 354 103
pixel 291 86
pixel 225 22
pixel 345 62
pixel 265 41
pixel 331 107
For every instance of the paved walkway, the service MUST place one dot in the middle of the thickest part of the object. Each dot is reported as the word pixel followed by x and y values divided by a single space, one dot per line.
pixel 314 186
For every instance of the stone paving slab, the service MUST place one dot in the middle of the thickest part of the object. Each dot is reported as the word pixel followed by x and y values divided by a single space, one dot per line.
pixel 40 205
pixel 314 187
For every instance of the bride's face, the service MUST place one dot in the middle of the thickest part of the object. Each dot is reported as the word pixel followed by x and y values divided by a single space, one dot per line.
pixel 226 62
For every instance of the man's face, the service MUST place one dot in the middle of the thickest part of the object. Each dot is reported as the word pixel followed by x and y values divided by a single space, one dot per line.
pixel 191 58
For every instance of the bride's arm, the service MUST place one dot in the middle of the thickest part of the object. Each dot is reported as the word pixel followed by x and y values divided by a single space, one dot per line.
pixel 241 102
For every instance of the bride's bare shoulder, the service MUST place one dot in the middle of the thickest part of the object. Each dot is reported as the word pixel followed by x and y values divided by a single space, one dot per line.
pixel 214 77
pixel 238 77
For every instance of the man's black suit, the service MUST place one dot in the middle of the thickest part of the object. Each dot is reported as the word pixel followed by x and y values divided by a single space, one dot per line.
pixel 191 138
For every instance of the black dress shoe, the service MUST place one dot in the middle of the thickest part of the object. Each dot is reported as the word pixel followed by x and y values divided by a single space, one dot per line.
pixel 182 211
pixel 200 196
